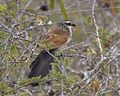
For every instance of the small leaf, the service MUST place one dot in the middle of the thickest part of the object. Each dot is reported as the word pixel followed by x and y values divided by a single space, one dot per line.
pixel 52 3
pixel 63 10
pixel 95 84
pixel 14 51
pixel 3 7
pixel 3 35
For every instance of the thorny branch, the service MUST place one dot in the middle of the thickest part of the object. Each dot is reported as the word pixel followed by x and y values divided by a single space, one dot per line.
pixel 110 55
pixel 96 30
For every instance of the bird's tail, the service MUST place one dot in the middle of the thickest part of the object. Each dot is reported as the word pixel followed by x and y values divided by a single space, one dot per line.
pixel 41 65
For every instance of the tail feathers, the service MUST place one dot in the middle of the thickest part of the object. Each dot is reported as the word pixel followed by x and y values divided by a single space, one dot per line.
pixel 41 65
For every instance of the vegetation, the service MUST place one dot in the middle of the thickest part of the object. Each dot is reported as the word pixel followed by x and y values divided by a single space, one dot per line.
pixel 88 66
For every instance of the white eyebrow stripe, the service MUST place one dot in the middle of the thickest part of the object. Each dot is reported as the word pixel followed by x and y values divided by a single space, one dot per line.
pixel 67 21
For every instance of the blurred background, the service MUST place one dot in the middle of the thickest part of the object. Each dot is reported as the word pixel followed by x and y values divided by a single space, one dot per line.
pixel 90 63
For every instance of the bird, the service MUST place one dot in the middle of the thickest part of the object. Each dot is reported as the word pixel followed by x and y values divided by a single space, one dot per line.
pixel 59 35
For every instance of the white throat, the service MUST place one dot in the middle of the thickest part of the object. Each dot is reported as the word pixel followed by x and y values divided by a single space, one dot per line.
pixel 70 34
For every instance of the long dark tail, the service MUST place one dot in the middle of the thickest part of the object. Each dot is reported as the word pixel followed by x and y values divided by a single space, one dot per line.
pixel 41 65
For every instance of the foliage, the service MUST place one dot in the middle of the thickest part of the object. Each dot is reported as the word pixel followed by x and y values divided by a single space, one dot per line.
pixel 61 4
pixel 52 3
pixel 79 69
pixel 3 7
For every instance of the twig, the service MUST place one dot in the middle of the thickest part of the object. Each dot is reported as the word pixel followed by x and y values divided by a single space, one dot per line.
pixel 29 2
pixel 113 59
pixel 6 27
pixel 97 33
pixel 16 89
pixel 26 91
pixel 73 46
pixel 18 7
pixel 96 28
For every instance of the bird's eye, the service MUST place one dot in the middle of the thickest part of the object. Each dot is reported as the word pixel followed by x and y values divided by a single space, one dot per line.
pixel 69 24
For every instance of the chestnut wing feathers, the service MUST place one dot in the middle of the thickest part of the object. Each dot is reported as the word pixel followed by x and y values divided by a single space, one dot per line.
pixel 57 36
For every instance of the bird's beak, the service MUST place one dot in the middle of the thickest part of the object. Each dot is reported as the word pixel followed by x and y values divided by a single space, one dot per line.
pixel 73 25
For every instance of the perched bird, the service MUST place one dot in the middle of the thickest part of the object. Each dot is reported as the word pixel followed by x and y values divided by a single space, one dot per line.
pixel 58 35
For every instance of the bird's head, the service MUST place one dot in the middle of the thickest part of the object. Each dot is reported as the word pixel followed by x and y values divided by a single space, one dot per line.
pixel 69 23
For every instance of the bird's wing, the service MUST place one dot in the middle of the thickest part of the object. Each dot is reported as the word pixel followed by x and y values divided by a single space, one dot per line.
pixel 57 30
pixel 56 36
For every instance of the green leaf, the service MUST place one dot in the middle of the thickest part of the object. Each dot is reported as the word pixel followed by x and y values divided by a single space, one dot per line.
pixel 63 10
pixel 14 51
pixel 3 35
pixel 3 7
pixel 52 3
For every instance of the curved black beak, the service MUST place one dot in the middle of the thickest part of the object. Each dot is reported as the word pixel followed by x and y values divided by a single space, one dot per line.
pixel 73 25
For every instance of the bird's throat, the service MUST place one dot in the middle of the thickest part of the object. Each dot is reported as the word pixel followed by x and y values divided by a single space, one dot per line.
pixel 70 34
